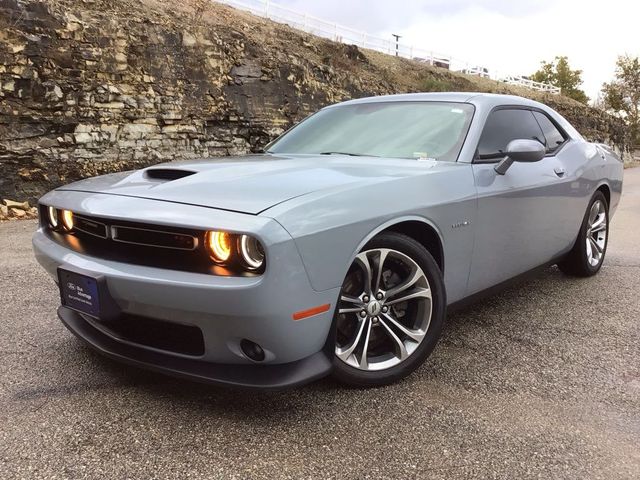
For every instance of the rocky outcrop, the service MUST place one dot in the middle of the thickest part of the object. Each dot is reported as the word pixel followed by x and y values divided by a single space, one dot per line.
pixel 10 210
pixel 104 85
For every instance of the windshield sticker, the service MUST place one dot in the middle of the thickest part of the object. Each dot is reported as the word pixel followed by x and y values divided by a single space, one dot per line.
pixel 423 157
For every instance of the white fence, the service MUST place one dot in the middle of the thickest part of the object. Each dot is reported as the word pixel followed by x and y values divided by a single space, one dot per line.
pixel 525 82
pixel 340 33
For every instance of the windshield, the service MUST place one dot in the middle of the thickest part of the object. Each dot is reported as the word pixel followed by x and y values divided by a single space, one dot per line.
pixel 385 129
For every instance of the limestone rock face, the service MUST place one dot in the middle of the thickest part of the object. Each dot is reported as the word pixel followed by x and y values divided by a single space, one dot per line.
pixel 10 209
pixel 99 86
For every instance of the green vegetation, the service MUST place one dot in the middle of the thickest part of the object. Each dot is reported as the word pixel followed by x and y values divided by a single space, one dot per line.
pixel 622 96
pixel 436 85
pixel 559 73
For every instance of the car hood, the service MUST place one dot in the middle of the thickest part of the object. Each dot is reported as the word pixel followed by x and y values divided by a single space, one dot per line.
pixel 250 184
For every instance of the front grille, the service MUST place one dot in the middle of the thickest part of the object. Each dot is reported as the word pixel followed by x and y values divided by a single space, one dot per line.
pixel 90 227
pixel 138 243
pixel 168 336
pixel 153 238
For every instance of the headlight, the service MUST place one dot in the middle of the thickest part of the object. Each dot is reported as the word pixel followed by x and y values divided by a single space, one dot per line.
pixel 52 214
pixel 252 252
pixel 235 251
pixel 67 220
pixel 219 246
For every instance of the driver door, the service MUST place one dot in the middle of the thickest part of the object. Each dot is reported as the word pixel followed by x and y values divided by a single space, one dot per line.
pixel 519 218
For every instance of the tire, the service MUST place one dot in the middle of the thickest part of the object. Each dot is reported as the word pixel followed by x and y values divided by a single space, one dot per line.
pixel 587 255
pixel 415 322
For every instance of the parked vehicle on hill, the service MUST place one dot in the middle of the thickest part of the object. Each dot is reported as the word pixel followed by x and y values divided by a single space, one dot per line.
pixel 435 61
pixel 477 71
pixel 337 250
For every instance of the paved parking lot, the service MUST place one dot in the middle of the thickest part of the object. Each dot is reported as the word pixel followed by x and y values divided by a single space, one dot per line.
pixel 541 381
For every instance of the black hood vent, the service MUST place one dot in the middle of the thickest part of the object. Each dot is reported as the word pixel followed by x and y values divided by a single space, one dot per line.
pixel 167 174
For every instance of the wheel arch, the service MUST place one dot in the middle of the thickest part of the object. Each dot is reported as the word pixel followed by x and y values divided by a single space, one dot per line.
pixel 420 229
pixel 424 234
pixel 606 191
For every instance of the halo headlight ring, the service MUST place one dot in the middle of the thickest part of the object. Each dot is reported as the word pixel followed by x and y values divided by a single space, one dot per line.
pixel 252 252
pixel 52 217
pixel 59 219
pixel 219 246
pixel 67 220
pixel 235 251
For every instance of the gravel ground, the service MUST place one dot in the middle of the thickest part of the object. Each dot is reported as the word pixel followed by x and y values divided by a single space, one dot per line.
pixel 541 381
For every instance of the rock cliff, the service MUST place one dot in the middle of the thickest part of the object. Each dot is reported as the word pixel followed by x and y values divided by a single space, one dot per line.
pixel 95 86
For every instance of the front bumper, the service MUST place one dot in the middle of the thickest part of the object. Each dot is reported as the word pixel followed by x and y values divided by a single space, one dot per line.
pixel 225 309
pixel 274 377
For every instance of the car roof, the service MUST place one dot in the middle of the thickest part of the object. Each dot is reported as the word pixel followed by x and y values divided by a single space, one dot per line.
pixel 484 103
pixel 488 100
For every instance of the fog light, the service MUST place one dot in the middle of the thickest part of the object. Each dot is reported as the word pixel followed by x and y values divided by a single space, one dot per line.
pixel 67 220
pixel 252 350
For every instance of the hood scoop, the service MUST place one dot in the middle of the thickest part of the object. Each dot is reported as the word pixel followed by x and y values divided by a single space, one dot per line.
pixel 167 174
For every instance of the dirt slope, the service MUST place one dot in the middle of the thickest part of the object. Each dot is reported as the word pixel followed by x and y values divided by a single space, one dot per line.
pixel 105 85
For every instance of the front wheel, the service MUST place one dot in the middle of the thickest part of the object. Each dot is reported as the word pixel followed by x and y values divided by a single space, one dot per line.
pixel 587 255
pixel 390 312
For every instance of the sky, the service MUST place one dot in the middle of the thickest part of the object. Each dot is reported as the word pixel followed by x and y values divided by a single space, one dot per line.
pixel 511 37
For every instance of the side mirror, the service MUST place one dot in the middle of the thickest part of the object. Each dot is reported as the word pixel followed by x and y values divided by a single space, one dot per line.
pixel 521 150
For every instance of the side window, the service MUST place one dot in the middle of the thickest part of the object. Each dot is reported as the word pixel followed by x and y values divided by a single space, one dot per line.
pixel 505 125
pixel 554 137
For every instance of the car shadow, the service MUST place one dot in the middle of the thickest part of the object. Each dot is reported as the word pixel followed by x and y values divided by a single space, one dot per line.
pixel 246 404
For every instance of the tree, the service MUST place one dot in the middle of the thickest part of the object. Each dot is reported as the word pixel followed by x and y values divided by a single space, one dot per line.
pixel 559 74
pixel 622 95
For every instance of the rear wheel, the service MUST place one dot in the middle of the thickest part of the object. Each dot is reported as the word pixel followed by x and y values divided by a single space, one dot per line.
pixel 587 255
pixel 390 313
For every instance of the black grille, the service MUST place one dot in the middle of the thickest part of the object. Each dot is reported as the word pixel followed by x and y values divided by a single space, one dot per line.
pixel 87 238
pixel 172 337
pixel 89 226
pixel 138 243
pixel 154 238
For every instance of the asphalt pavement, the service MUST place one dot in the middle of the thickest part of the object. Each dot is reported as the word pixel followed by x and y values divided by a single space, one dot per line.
pixel 540 381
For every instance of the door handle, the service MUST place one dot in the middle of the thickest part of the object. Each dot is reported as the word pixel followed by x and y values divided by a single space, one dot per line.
pixel 559 171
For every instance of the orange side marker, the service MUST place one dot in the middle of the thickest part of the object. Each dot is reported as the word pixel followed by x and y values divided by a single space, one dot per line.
pixel 311 312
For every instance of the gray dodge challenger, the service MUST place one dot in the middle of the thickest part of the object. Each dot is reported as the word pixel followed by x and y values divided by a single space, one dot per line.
pixel 336 251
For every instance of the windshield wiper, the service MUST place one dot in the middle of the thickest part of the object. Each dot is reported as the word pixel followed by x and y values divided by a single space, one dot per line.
pixel 346 153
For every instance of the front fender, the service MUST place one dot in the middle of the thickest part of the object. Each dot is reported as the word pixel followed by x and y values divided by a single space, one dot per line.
pixel 329 230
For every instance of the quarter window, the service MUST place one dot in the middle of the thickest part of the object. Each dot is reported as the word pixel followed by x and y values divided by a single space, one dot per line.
pixel 553 136
pixel 505 125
